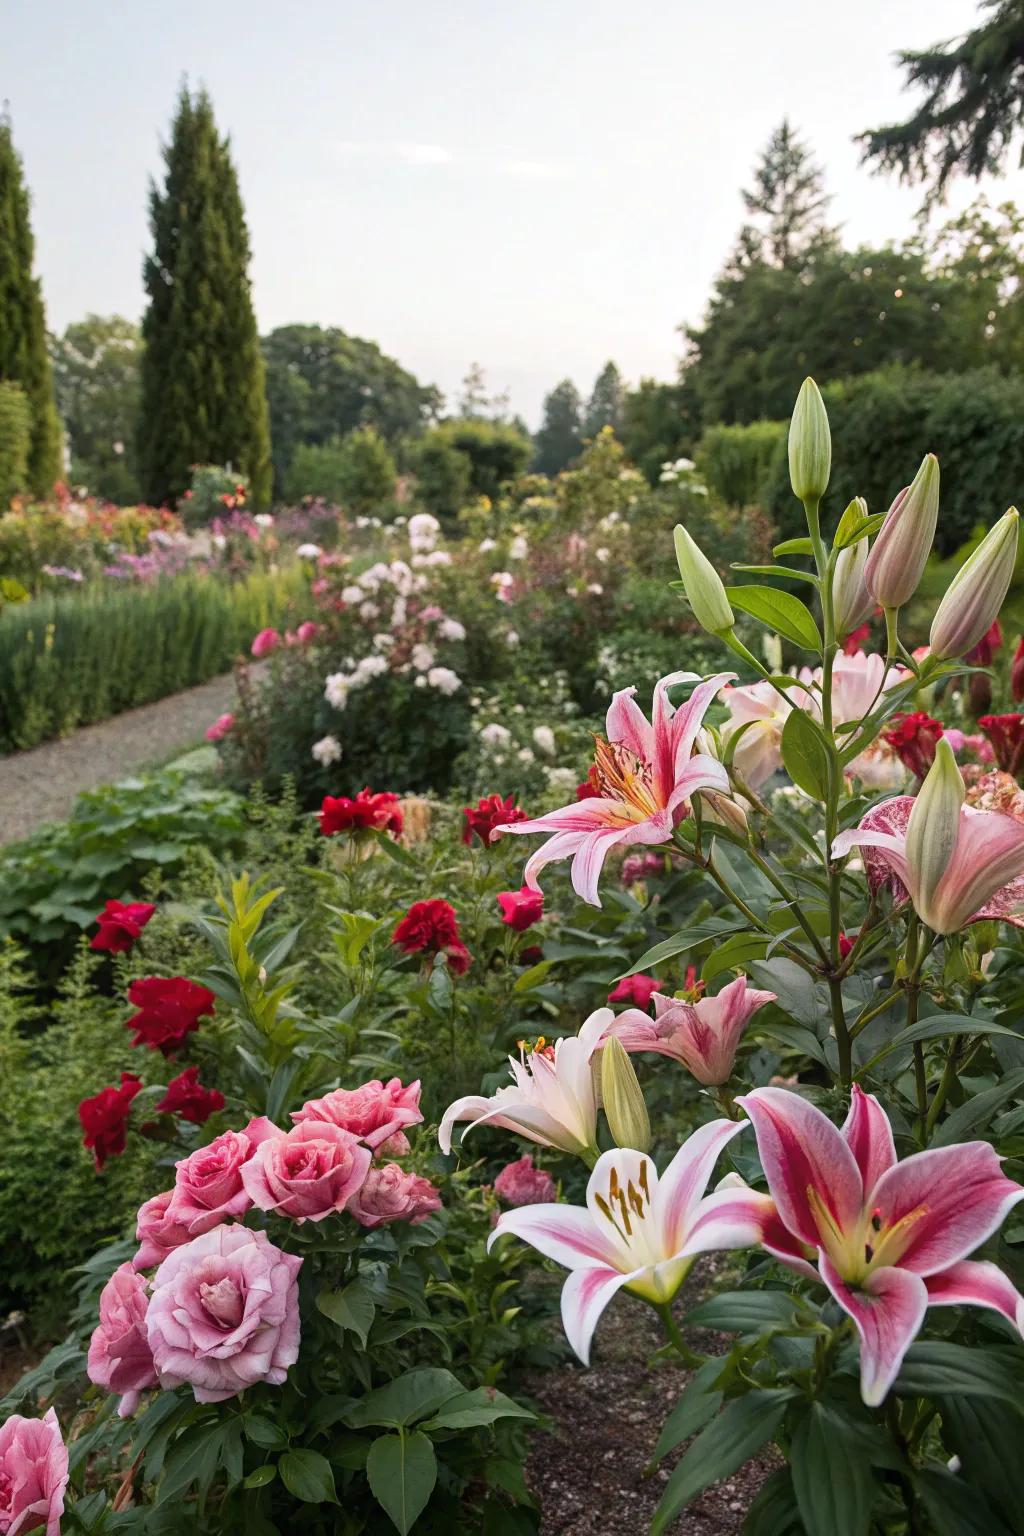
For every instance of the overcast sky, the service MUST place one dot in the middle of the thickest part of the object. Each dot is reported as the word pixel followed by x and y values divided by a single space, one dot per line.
pixel 538 185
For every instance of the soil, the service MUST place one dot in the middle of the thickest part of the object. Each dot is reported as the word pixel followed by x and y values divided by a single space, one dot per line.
pixel 587 1472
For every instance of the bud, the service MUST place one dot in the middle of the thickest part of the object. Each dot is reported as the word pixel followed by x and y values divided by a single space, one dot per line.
pixel 623 1101
pixel 976 593
pixel 933 827
pixel 810 444
pixel 851 600
pixel 725 811
pixel 904 540
pixel 703 586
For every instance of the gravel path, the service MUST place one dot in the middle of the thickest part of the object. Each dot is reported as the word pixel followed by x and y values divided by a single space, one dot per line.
pixel 41 785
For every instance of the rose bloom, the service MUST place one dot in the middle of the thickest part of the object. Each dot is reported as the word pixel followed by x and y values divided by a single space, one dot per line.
pixel 208 1184
pixel 492 811
pixel 388 1193
pixel 187 1097
pixel 224 1314
pixel 307 1173
pixel 638 866
pixel 913 737
pixel 33 1475
pixel 121 923
pixel 637 990
pixel 265 642
pixel 367 811
pixel 374 1112
pixel 520 1183
pixel 158 1230
pixel 170 1007
pixel 104 1118
pixel 120 1359
pixel 431 927
pixel 220 728
pixel 521 909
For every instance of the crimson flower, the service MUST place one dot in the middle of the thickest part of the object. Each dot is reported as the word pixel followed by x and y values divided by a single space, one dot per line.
pixel 521 909
pixel 121 923
pixel 981 655
pixel 1017 672
pixel 187 1097
pixel 170 1007
pixel 104 1118
pixel 491 812
pixel 1006 733
pixel 856 639
pixel 590 789
pixel 637 990
pixel 366 812
pixel 431 928
pixel 913 738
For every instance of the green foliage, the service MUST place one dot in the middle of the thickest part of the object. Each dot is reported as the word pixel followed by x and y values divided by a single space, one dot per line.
pixel 213 491
pixel 493 454
pixel 561 432
pixel 659 423
pixel 357 471
pixel 15 437
pixel 737 461
pixel 203 395
pixel 443 475
pixel 605 406
pixel 96 374
pixel 789 200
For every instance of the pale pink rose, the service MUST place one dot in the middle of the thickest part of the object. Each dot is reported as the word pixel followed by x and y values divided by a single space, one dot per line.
pixel 33 1475
pixel 220 728
pixel 397 1145
pixel 520 1183
pixel 158 1231
pixel 224 1314
pixel 389 1193
pixel 372 1112
pixel 307 1173
pixel 208 1185
pixel 120 1358
pixel 266 641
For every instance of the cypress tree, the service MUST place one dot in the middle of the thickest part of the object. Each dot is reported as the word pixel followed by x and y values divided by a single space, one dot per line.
pixel 23 356
pixel 203 394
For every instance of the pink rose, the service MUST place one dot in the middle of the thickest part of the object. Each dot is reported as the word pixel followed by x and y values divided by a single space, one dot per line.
pixel 120 1358
pixel 208 1184
pixel 33 1475
pixel 372 1112
pixel 220 728
pixel 397 1145
pixel 224 1314
pixel 266 641
pixel 306 1173
pixel 389 1193
pixel 520 1183
pixel 158 1231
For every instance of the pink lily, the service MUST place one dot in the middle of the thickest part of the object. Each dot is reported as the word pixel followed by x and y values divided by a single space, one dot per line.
pixel 889 1238
pixel 703 1035
pixel 646 772
pixel 552 1100
pixel 638 1231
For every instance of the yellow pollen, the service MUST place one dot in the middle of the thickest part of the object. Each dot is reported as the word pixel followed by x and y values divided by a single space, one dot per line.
pixel 623 776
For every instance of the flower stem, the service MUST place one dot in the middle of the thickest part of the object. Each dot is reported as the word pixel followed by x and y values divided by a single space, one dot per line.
pixel 688 1356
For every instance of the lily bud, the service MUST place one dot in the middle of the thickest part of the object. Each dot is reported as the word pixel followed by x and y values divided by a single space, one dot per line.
pixel 976 593
pixel 904 541
pixel 933 827
pixel 623 1100
pixel 704 588
pixel 851 600
pixel 810 444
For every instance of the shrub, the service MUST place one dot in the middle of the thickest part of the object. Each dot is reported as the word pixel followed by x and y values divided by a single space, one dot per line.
pixel 493 452
pixel 443 475
pixel 213 491
pixel 15 435
pixel 737 462
pixel 356 471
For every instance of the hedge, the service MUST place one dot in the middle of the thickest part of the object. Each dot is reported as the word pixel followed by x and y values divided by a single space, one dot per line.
pixel 736 462
pixel 76 658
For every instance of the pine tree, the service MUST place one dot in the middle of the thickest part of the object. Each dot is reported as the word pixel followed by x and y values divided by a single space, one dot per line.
pixel 789 201
pixel 23 355
pixel 604 408
pixel 561 435
pixel 203 393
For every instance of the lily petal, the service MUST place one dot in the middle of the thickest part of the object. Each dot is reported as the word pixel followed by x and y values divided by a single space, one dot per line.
pixel 977 1284
pixel 730 1218
pixel 950 1199
pixel 585 1295
pixel 564 1233
pixel 888 1311
pixel 869 1136
pixel 686 1178
pixel 801 1150
pixel 626 723
pixel 988 854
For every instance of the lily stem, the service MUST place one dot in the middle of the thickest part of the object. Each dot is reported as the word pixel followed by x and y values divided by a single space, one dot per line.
pixel 689 1357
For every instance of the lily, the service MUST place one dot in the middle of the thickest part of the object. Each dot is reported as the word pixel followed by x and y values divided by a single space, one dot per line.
pixel 890 1238
pixel 646 773
pixel 638 1232
pixel 702 1035
pixel 552 1099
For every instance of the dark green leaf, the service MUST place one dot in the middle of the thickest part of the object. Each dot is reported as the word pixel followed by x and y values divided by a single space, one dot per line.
pixel 955 1508
pixel 402 1470
pixel 933 1368
pixel 780 611
pixel 259 1477
pixel 978 1110
pixel 736 951
pixel 832 1479
pixel 698 1403
pixel 308 1476
pixel 742 1427
pixel 408 1397
pixel 773 1511
pixel 679 943
pixel 471 1409
pixel 350 1308
pixel 805 754
pixel 933 1028
pixel 988 1439
pixel 745 1311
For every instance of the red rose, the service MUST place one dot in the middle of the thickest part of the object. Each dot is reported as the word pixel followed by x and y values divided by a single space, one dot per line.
pixel 590 789
pixel 856 638
pixel 637 990
pixel 1006 733
pixel 1017 672
pixel 104 1118
pixel 169 1009
pixel 379 813
pixel 846 945
pixel 187 1097
pixel 981 654
pixel 431 927
pixel 491 812
pixel 521 909
pixel 913 739
pixel 121 924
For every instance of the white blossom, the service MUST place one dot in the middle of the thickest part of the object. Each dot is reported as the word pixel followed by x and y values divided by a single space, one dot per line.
pixel 525 755
pixel 444 679
pixel 423 657
pixel 512 638
pixel 451 629
pixel 327 750
pixel 495 734
pixel 602 554
pixel 486 545
pixel 562 780
pixel 263 520
pixel 309 551
pixel 544 737
pixel 423 531
pixel 519 548
pixel 368 611
pixel 336 690
pixel 352 594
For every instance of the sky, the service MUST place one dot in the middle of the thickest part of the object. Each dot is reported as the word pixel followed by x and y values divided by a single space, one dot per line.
pixel 537 186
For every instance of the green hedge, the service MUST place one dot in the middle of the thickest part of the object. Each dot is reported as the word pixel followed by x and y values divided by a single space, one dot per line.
pixel 737 461
pixel 73 659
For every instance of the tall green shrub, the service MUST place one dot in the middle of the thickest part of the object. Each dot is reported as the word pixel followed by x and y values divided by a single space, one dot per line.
pixel 737 461
pixel 356 471
pixel 203 394
pixel 15 441
pixel 492 453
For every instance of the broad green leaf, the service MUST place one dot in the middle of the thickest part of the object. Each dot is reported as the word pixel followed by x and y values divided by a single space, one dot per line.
pixel 742 1427
pixel 832 1479
pixel 745 1312
pixel 736 951
pixel 932 1368
pixel 352 1308
pixel 308 1476
pixel 698 1403
pixel 801 546
pixel 780 611
pixel 988 1438
pixel 956 1508
pixel 533 977
pixel 978 1110
pixel 773 1511
pixel 933 1028
pixel 259 1477
pixel 690 938
pixel 402 1470
pixel 481 1406
pixel 805 754
pixel 412 1396
pixel 193 1458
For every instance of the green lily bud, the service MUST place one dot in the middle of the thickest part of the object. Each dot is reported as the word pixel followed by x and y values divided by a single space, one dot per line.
pixel 851 600
pixel 623 1100
pixel 975 595
pixel 933 827
pixel 810 444
pixel 704 588
pixel 904 541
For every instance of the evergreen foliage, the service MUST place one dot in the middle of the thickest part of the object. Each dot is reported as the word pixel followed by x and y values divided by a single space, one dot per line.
pixel 96 372
pixel 15 437
pixel 604 408
pixel 561 434
pixel 788 202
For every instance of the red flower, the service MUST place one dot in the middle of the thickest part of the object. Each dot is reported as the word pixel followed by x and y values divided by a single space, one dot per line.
pixel 367 811
pixel 532 955
pixel 1017 672
pixel 691 983
pixel 846 945
pixel 913 738
pixel 637 990
pixel 590 789
pixel 981 654
pixel 169 1009
pixel 104 1118
pixel 856 638
pixel 1006 733
pixel 491 812
pixel 121 923
pixel 521 909
pixel 431 927
pixel 187 1097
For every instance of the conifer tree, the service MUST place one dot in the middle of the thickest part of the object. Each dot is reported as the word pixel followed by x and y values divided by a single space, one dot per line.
pixel 604 408
pixel 789 201
pixel 561 433
pixel 24 359
pixel 203 392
